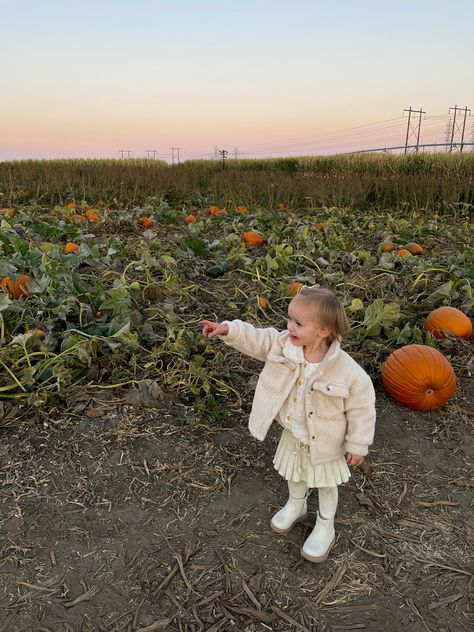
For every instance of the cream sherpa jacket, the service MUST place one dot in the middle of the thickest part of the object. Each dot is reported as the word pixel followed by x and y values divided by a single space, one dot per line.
pixel 340 402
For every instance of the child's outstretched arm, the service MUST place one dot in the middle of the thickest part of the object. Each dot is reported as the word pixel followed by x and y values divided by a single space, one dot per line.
pixel 242 336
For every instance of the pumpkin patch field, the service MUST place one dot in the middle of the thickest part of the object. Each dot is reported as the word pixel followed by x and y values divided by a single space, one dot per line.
pixel 132 495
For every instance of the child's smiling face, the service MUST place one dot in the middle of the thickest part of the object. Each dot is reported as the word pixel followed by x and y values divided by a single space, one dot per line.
pixel 304 325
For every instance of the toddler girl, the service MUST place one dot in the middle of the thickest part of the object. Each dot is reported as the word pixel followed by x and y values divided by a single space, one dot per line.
pixel 322 398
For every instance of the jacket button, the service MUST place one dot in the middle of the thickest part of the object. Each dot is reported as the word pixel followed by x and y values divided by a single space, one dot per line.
pixel 310 413
pixel 328 388
pixel 313 437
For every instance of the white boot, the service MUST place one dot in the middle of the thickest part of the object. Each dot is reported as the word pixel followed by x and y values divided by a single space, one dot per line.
pixel 294 510
pixel 322 538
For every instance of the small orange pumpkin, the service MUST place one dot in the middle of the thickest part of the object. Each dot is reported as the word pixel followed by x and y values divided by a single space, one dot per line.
pixel 91 215
pixel 241 210
pixel 387 246
pixel 294 288
pixel 414 248
pixel 7 212
pixel 450 320
pixel 71 205
pixel 145 222
pixel 190 219
pixel 419 377
pixel 403 252
pixel 262 302
pixel 319 226
pixel 37 332
pixel 281 205
pixel 253 238
pixel 17 288
pixel 70 247
pixel 213 210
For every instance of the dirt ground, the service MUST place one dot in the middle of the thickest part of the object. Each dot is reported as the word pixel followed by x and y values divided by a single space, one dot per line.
pixel 119 518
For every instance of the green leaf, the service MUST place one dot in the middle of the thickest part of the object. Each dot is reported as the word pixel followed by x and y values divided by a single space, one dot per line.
pixel 168 259
pixel 386 261
pixel 272 264
pixel 378 314
pixel 442 293
pixel 405 335
pixel 119 301
pixel 5 301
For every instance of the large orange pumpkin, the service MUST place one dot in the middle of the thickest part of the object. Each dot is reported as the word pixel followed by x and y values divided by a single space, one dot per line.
pixel 18 288
pixel 448 319
pixel 252 238
pixel 419 377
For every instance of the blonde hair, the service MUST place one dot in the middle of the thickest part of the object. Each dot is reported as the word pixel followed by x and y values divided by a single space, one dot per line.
pixel 330 309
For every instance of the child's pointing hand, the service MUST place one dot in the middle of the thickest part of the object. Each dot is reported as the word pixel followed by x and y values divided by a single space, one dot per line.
pixel 211 330
pixel 353 460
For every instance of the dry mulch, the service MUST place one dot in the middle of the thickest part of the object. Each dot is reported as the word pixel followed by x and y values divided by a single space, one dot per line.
pixel 116 518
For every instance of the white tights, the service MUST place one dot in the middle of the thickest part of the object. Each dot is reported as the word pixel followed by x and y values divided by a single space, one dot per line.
pixel 327 496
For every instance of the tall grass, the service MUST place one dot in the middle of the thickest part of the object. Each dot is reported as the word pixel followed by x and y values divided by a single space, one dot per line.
pixel 426 181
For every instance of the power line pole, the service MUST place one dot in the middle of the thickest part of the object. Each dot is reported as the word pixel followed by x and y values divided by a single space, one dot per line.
pixel 175 149
pixel 125 151
pixel 411 128
pixel 458 128
pixel 223 153
pixel 236 152
pixel 151 151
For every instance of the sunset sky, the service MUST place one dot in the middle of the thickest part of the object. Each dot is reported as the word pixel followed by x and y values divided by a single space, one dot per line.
pixel 89 78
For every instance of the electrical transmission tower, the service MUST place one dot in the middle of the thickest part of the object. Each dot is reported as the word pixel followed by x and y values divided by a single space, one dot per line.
pixel 413 128
pixel 236 152
pixel 458 128
pixel 174 149
pixel 125 151
pixel 447 133
pixel 149 152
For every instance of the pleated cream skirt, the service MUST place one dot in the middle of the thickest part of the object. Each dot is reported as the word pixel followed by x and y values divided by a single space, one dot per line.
pixel 292 461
